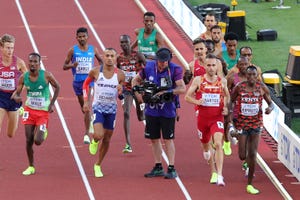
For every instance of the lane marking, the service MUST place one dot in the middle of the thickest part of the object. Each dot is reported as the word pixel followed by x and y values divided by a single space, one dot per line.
pixel 178 180
pixel 58 109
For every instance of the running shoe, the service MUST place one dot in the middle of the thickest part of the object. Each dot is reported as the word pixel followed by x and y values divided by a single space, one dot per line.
pixel 21 110
pixel 214 178
pixel 127 149
pixel 29 171
pixel 91 129
pixel 220 181
pixel 45 134
pixel 86 139
pixel 97 171
pixel 93 147
pixel 252 190
pixel 171 174
pixel 155 172
pixel 227 148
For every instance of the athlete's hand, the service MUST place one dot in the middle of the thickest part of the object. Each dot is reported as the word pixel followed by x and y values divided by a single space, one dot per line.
pixel 199 102
pixel 50 108
pixel 16 98
pixel 75 64
pixel 225 111
pixel 86 107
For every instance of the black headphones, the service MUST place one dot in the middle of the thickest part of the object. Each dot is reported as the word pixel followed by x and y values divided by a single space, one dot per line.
pixel 164 49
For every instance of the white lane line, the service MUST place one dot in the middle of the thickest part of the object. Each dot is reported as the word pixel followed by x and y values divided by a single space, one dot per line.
pixel 59 112
pixel 178 180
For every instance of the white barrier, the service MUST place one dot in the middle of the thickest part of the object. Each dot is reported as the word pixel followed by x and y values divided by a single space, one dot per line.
pixel 289 149
pixel 271 120
pixel 186 19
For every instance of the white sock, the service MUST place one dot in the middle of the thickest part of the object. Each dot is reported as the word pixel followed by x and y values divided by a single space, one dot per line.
pixel 206 155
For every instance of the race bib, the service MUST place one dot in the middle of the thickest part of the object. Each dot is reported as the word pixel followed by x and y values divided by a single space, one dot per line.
pixel 7 84
pixel 249 109
pixel 129 75
pixel 36 102
pixel 211 100
pixel 83 67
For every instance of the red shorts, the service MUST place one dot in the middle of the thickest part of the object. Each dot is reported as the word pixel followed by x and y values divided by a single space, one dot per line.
pixel 35 117
pixel 208 127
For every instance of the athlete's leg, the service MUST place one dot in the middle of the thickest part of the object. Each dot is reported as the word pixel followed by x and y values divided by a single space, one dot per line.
pixel 12 123
pixel 127 103
pixel 29 133
pixel 252 153
pixel 104 146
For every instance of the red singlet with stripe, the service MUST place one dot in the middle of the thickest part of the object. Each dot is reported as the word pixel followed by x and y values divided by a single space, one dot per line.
pixel 249 107
pixel 213 96
pixel 9 76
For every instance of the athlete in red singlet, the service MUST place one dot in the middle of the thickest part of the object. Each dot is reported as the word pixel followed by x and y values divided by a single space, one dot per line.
pixel 212 99
pixel 11 68
pixel 248 96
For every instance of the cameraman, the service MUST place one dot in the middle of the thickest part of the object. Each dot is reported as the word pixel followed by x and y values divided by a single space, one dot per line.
pixel 160 115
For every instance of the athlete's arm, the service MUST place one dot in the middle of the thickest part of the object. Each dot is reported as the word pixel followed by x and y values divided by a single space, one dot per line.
pixel 67 64
pixel 54 83
pixel 16 95
pixel 190 94
pixel 21 65
pixel 267 97
pixel 226 96
pixel 160 40
pixel 98 56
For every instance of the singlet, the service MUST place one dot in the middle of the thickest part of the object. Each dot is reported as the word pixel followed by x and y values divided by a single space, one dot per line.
pixel 105 93
pixel 150 73
pixel 230 62
pixel 130 66
pixel 85 61
pixel 38 95
pixel 199 70
pixel 249 107
pixel 9 76
pixel 213 96
pixel 147 46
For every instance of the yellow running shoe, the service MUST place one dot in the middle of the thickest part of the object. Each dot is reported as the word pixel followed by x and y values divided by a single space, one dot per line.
pixel 93 147
pixel 45 134
pixel 227 148
pixel 21 111
pixel 98 172
pixel 252 190
pixel 214 178
pixel 29 171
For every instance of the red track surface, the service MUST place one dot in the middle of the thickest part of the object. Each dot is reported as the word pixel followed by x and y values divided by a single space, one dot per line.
pixel 53 25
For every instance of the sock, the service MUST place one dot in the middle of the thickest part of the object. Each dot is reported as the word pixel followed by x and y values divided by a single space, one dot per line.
pixel 170 167
pixel 158 165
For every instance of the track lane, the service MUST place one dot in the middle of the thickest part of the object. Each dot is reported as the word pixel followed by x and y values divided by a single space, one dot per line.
pixel 122 173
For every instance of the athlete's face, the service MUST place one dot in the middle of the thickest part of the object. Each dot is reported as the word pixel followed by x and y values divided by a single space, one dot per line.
pixel 82 38
pixel 7 49
pixel 251 76
pixel 231 46
pixel 211 66
pixel 246 52
pixel 34 63
pixel 109 58
pixel 242 65
pixel 200 50
pixel 149 23
pixel 125 43
pixel 216 35
pixel 210 21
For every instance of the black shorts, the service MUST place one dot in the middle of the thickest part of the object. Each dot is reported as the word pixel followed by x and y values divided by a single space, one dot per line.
pixel 156 124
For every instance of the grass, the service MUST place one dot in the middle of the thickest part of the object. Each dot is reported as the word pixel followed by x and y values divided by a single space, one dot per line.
pixel 269 55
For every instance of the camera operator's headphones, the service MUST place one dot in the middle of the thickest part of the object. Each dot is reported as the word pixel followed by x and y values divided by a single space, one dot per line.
pixel 164 50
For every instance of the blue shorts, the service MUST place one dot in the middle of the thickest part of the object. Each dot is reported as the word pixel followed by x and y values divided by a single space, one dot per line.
pixel 7 103
pixel 251 131
pixel 106 119
pixel 77 87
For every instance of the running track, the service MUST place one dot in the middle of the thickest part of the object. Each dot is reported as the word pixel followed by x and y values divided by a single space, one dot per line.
pixel 64 166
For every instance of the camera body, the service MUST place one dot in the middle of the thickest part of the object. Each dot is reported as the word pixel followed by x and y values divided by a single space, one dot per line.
pixel 149 89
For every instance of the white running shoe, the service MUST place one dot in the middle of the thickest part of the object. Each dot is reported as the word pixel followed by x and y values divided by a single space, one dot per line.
pixel 86 139
pixel 220 181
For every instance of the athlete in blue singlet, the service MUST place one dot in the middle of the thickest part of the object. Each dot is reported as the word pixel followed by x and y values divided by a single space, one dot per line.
pixel 80 59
